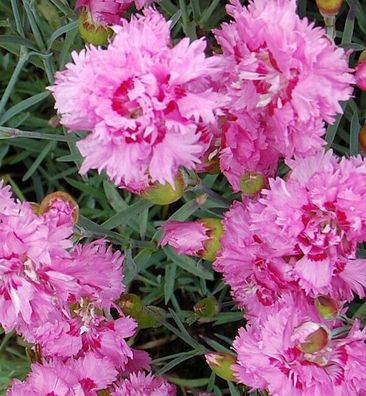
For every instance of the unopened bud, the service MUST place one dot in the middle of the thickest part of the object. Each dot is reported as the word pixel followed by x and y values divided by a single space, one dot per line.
pixel 131 304
pixel 329 7
pixel 91 31
pixel 207 307
pixel 311 337
pixel 327 307
pixel 362 139
pixel 63 204
pixel 212 245
pixel 360 71
pixel 252 183
pixel 221 364
pixel 145 320
pixel 165 194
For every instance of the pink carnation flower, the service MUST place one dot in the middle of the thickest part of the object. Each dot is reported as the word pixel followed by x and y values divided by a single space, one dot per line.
pixel 88 331
pixel 187 237
pixel 284 78
pixel 301 233
pixel 110 11
pixel 29 245
pixel 84 376
pixel 293 352
pixel 246 148
pixel 85 266
pixel 141 384
pixel 147 110
pixel 360 75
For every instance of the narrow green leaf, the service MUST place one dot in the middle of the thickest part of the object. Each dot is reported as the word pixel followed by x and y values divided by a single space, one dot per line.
pixel 169 281
pixel 7 39
pixel 23 105
pixel 354 132
pixel 188 264
pixel 42 155
pixel 62 30
pixel 121 218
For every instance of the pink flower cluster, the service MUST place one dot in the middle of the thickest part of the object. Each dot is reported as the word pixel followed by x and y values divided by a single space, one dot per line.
pixel 154 108
pixel 52 294
pixel 283 253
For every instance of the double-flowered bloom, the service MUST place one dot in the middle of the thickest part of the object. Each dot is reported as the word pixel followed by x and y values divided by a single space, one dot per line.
pixel 149 108
pixel 301 234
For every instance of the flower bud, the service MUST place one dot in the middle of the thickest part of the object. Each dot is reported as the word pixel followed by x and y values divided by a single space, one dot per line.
pixel 212 245
pixel 221 364
pixel 360 71
pixel 327 307
pixel 131 304
pixel 61 205
pixel 311 337
pixel 165 194
pixel 145 320
pixel 207 307
pixel 252 183
pixel 91 31
pixel 362 139
pixel 329 7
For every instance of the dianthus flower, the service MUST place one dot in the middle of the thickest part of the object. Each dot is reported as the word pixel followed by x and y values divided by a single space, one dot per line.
pixel 302 234
pixel 109 12
pixel 142 384
pixel 81 326
pixel 360 75
pixel 84 376
pixel 29 244
pixel 285 74
pixel 186 237
pixel 246 148
pixel 148 106
pixel 294 352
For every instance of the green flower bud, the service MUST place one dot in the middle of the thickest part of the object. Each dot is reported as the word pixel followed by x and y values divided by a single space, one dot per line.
pixel 312 337
pixel 207 307
pixel 212 245
pixel 165 194
pixel 221 364
pixel 327 307
pixel 329 7
pixel 252 183
pixel 91 31
pixel 131 304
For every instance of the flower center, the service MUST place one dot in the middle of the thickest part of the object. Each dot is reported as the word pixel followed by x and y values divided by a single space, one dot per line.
pixel 273 86
pixel 321 231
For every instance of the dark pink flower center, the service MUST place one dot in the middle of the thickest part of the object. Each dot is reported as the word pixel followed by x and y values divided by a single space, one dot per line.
pixel 323 229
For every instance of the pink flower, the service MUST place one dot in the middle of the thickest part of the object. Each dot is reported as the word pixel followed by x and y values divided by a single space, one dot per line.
pixel 302 234
pixel 293 352
pixel 88 331
pixel 84 376
pixel 246 148
pixel 85 266
pixel 110 11
pixel 29 244
pixel 146 111
pixel 360 75
pixel 141 384
pixel 284 78
pixel 187 237
pixel 59 208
